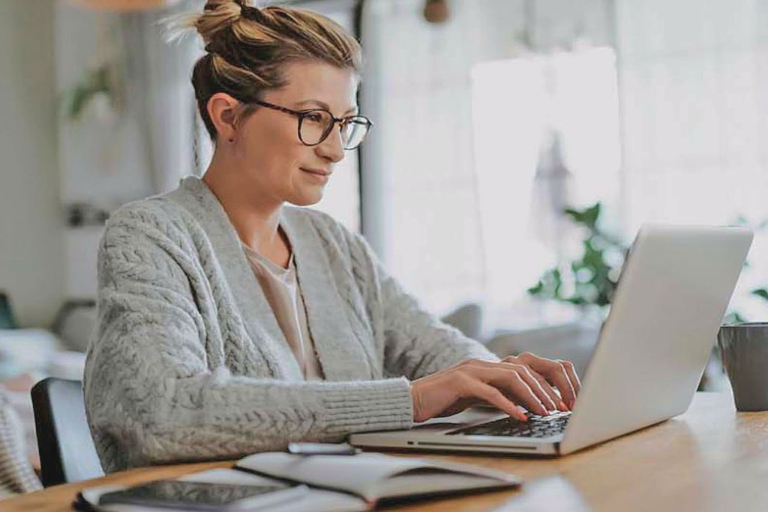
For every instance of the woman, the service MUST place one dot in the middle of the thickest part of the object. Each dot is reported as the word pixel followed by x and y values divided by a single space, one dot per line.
pixel 230 323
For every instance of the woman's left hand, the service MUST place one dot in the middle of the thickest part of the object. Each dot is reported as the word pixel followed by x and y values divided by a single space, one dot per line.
pixel 548 373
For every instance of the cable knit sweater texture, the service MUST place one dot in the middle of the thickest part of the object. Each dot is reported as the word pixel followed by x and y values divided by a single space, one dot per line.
pixel 188 362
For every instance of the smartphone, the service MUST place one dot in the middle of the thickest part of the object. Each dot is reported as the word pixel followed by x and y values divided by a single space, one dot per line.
pixel 181 494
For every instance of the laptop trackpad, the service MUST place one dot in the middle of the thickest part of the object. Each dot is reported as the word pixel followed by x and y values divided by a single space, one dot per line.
pixel 465 417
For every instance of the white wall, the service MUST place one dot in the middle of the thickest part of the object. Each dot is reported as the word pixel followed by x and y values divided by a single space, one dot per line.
pixel 31 245
pixel 102 161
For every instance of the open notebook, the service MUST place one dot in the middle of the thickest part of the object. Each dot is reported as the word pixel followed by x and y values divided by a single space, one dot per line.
pixel 333 482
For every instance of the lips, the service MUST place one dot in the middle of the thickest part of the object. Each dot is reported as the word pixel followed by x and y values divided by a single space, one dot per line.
pixel 316 171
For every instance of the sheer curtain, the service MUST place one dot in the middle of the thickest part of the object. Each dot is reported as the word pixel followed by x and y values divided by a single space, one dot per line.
pixel 694 97
pixel 439 189
pixel 159 75
pixel 551 143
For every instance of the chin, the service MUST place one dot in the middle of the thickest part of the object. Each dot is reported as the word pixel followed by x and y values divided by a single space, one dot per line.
pixel 308 198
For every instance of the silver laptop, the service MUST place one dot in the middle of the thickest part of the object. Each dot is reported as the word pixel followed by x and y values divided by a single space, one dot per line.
pixel 674 290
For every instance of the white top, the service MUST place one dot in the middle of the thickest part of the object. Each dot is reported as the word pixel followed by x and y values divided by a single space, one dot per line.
pixel 283 294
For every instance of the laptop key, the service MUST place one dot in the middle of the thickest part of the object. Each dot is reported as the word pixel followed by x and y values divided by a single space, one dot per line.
pixel 536 426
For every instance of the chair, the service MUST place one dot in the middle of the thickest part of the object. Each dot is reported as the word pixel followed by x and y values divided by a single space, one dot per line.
pixel 67 452
pixel 468 319
pixel 574 342
pixel 7 320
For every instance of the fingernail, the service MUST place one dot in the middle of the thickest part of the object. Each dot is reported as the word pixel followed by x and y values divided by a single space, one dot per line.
pixel 561 405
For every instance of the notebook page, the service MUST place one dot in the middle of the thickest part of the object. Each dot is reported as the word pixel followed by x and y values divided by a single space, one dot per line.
pixel 364 474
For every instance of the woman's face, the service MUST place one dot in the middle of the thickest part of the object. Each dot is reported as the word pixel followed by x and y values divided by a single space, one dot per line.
pixel 275 162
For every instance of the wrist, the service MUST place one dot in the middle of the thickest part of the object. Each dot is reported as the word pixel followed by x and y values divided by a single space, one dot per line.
pixel 416 401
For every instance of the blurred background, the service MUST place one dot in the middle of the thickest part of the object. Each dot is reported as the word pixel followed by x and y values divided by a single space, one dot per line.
pixel 518 146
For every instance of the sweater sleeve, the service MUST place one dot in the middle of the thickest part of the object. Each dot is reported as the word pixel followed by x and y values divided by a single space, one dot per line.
pixel 416 343
pixel 152 393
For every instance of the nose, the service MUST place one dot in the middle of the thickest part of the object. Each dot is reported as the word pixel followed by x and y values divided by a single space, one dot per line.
pixel 332 148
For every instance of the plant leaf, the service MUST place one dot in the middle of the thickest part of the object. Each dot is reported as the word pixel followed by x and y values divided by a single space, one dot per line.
pixel 536 289
pixel 591 215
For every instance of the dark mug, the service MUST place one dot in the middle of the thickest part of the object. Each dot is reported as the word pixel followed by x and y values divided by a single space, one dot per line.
pixel 744 350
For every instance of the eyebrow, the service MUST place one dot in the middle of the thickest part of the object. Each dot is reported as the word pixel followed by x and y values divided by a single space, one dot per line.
pixel 324 105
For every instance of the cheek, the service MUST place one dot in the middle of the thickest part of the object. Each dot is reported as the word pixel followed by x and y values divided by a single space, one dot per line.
pixel 265 139
pixel 274 152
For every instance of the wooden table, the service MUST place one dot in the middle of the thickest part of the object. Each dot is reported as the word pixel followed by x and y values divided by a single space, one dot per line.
pixel 710 458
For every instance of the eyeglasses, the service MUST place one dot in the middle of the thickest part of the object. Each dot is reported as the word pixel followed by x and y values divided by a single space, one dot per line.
pixel 316 124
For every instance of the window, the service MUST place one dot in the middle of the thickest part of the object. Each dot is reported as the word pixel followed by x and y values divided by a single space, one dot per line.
pixel 695 131
pixel 451 206
pixel 546 137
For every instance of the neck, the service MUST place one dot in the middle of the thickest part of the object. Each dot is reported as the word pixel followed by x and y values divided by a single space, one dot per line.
pixel 256 219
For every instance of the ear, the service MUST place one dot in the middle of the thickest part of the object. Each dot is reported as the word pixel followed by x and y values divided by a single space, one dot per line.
pixel 222 109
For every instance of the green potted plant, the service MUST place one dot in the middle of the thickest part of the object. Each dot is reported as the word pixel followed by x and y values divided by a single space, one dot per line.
pixel 736 316
pixel 101 82
pixel 589 281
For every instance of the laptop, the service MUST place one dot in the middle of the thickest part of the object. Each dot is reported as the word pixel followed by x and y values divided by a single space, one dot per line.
pixel 673 292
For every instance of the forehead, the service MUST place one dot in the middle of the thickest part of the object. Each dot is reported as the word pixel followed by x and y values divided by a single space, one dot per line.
pixel 317 81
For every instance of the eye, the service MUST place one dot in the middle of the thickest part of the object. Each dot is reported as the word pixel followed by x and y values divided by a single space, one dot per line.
pixel 315 117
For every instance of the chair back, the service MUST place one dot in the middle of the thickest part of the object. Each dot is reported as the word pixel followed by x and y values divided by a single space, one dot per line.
pixel 67 452
pixel 7 320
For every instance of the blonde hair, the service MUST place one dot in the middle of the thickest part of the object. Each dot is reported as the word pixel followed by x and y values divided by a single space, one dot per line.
pixel 247 48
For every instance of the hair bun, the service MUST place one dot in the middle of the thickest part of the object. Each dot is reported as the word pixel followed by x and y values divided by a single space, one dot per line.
pixel 218 15
pixel 252 13
pixel 214 3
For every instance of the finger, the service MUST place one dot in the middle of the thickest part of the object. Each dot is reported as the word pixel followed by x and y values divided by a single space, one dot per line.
pixel 514 384
pixel 571 370
pixel 536 387
pixel 529 391
pixel 561 406
pixel 495 397
pixel 500 371
pixel 562 381
pixel 541 380
pixel 554 372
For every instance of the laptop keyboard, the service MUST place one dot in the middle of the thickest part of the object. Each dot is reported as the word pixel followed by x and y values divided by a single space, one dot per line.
pixel 536 426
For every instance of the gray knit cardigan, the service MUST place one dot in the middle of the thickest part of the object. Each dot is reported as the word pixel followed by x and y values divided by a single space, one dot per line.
pixel 187 361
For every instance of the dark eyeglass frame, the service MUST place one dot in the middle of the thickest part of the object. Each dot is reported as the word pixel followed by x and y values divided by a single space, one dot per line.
pixel 302 114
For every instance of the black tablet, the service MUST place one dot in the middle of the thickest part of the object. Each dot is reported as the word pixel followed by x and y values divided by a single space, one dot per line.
pixel 180 494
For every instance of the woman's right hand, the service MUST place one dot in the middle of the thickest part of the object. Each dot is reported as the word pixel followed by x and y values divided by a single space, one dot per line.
pixel 501 384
